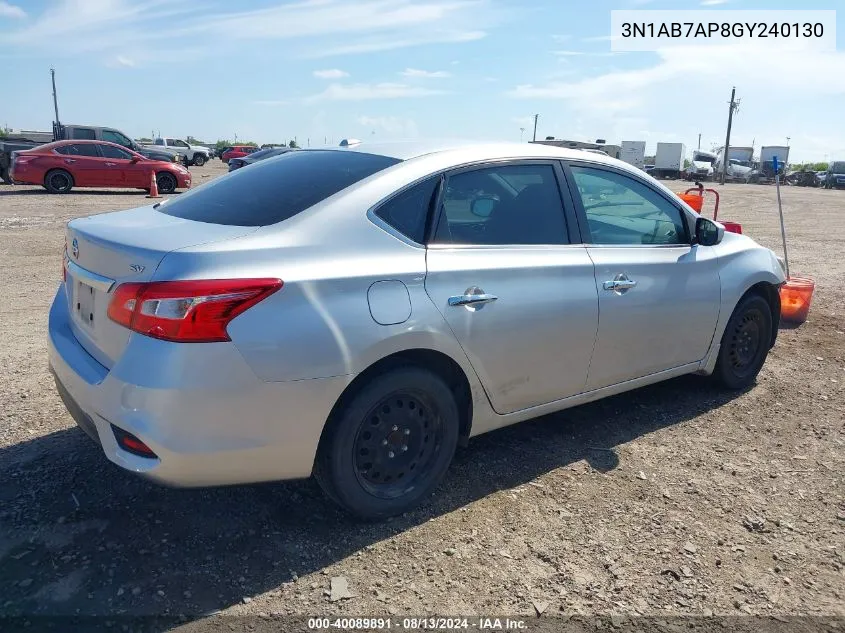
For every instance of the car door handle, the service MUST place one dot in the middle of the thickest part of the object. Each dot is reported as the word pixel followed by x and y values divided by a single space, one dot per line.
pixel 70 161
pixel 111 164
pixel 621 284
pixel 466 300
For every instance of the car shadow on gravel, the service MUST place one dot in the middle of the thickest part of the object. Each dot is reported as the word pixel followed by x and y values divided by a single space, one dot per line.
pixel 79 535
pixel 79 192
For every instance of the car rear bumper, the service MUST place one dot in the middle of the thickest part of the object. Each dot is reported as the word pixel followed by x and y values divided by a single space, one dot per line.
pixel 198 407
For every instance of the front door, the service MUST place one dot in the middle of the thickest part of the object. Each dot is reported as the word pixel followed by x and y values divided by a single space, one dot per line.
pixel 659 295
pixel 519 297
pixel 122 171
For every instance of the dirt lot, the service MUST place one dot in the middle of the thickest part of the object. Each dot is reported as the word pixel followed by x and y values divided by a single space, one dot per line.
pixel 675 499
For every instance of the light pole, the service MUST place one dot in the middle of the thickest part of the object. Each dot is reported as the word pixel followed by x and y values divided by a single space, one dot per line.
pixel 521 134
pixel 787 141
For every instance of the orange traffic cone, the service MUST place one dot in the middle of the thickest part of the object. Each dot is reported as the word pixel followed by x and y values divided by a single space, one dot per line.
pixel 153 187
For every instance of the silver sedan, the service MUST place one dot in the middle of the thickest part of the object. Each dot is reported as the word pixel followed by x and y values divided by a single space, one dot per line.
pixel 354 313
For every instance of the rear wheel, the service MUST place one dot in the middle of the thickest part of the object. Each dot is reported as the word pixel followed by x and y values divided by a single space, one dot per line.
pixel 58 181
pixel 390 445
pixel 4 175
pixel 166 182
pixel 745 343
pixel 199 160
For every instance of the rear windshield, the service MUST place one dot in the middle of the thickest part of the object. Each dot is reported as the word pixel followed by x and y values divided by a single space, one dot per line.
pixel 276 189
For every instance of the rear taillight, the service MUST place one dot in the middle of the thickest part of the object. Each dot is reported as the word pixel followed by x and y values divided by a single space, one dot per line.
pixel 23 160
pixel 187 311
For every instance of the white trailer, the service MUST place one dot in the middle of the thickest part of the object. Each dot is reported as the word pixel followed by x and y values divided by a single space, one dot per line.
pixel 767 152
pixel 633 153
pixel 669 160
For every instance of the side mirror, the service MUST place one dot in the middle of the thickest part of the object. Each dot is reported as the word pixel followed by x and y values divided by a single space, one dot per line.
pixel 134 159
pixel 483 206
pixel 708 232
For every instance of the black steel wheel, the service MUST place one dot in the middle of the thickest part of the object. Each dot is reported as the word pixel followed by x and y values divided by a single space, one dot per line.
pixel 745 343
pixel 389 447
pixel 166 182
pixel 199 159
pixel 58 181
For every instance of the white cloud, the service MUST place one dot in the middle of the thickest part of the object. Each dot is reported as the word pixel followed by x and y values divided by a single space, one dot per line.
pixel 364 92
pixel 714 69
pixel 320 27
pixel 332 73
pixel 11 10
pixel 424 74
pixel 121 61
pixel 391 126
pixel 387 43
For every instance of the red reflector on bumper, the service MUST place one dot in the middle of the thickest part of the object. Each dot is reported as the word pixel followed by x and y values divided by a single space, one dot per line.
pixel 132 444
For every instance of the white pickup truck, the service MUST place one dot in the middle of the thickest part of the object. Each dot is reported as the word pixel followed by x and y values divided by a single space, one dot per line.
pixel 194 154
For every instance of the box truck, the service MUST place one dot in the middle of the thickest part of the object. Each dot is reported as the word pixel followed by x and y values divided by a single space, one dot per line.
pixel 633 153
pixel 669 160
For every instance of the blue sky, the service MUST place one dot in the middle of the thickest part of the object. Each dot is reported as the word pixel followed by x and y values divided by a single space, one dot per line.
pixel 327 69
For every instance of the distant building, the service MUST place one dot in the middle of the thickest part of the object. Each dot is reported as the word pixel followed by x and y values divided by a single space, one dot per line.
pixel 610 150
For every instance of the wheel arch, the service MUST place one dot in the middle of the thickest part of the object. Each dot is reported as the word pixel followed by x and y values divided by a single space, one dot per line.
pixel 54 170
pixel 438 362
pixel 770 292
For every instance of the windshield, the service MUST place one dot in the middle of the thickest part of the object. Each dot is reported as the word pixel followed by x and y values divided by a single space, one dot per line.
pixel 838 167
pixel 277 189
pixel 698 158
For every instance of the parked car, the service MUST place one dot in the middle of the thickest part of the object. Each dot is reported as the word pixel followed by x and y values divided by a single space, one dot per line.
pixel 194 154
pixel 238 151
pixel 76 132
pixel 237 163
pixel 317 314
pixel 835 177
pixel 63 165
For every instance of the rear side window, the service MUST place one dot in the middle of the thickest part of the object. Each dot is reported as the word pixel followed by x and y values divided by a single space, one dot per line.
pixel 276 189
pixel 407 211
pixel 84 133
pixel 82 149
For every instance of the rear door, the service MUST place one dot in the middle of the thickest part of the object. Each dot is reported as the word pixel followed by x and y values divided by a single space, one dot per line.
pixel 507 271
pixel 659 295
pixel 84 163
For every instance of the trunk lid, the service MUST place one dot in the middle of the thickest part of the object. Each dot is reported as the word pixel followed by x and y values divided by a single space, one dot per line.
pixel 126 246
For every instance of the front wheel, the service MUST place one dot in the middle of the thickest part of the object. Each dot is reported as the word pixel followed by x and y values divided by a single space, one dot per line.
pixel 745 343
pixel 166 182
pixel 390 445
pixel 199 160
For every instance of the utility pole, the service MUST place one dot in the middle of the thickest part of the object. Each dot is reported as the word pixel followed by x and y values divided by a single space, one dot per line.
pixel 521 134
pixel 536 116
pixel 733 107
pixel 55 98
pixel 699 140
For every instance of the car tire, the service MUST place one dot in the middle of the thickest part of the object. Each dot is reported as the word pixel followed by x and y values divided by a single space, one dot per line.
pixel 166 182
pixel 58 181
pixel 4 175
pixel 390 445
pixel 745 343
pixel 199 160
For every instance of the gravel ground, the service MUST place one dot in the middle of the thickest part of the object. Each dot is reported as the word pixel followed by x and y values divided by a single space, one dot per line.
pixel 674 499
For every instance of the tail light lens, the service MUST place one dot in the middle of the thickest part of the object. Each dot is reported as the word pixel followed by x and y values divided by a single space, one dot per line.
pixel 23 160
pixel 187 311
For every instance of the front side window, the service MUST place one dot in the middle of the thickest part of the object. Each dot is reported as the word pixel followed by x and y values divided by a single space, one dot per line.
pixel 407 212
pixel 116 137
pixel 622 210
pixel 274 190
pixel 505 204
pixel 177 143
pixel 110 151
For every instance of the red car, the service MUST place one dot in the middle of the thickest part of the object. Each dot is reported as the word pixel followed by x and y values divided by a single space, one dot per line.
pixel 60 166
pixel 238 151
